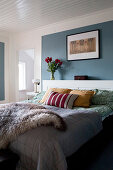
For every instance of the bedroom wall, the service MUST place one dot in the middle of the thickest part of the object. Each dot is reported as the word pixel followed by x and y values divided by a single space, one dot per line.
pixel 4 69
pixel 54 45
pixel 32 39
pixel 1 71
pixel 23 41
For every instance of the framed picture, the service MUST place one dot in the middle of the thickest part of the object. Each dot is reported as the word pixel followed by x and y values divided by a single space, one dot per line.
pixel 83 45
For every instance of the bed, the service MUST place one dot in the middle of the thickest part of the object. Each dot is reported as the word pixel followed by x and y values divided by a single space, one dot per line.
pixel 47 148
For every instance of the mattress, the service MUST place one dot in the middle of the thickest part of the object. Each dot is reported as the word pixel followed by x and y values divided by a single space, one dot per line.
pixel 47 148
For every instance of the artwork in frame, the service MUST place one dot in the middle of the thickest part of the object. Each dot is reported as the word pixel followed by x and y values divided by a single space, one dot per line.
pixel 83 45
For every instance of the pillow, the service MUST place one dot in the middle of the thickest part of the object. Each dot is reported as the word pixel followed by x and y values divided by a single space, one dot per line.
pixel 59 90
pixel 84 97
pixel 39 95
pixel 110 104
pixel 102 97
pixel 61 100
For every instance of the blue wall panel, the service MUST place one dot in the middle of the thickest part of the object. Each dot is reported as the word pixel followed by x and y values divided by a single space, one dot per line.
pixel 2 71
pixel 54 45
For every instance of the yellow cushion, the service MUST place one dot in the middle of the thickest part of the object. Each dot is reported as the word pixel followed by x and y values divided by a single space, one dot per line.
pixel 59 90
pixel 84 97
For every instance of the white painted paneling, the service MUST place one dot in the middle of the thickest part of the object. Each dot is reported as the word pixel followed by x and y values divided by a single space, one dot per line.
pixel 22 15
pixel 77 22
pixel 78 84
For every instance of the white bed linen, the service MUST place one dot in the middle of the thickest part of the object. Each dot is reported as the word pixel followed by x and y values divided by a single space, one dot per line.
pixel 46 148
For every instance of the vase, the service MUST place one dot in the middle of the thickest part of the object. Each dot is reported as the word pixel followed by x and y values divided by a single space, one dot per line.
pixel 52 76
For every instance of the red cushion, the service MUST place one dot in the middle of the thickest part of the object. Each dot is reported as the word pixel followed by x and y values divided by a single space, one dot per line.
pixel 61 100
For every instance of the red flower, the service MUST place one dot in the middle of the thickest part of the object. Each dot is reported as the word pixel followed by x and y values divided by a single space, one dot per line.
pixel 57 61
pixel 50 59
pixel 60 63
pixel 47 60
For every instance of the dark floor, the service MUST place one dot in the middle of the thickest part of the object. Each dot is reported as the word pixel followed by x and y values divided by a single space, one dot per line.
pixel 96 155
pixel 104 161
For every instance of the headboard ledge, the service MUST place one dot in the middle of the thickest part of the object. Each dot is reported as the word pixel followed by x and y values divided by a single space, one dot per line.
pixel 78 84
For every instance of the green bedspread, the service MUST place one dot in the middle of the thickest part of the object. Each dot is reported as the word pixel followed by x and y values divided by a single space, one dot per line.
pixel 104 110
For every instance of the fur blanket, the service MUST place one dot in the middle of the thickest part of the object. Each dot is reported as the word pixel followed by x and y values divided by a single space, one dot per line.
pixel 16 119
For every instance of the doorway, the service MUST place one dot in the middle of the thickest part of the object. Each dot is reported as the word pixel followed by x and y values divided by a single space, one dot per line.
pixel 26 72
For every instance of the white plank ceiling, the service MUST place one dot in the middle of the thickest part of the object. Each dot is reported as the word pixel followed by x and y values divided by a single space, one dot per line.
pixel 22 15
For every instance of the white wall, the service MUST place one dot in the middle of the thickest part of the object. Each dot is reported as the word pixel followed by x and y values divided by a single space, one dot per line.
pixel 23 41
pixel 32 39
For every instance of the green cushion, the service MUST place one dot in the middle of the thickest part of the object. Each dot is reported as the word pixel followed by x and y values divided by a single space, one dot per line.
pixel 110 105
pixel 102 97
pixel 39 96
pixel 36 99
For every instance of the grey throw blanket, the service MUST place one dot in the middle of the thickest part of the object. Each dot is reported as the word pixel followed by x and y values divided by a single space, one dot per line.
pixel 17 118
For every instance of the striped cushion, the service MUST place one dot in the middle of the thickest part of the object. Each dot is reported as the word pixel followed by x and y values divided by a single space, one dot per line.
pixel 61 100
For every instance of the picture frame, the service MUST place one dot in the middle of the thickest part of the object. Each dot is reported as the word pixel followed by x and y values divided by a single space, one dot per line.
pixel 82 46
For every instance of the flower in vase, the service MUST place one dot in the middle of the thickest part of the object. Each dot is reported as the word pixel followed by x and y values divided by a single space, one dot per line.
pixel 53 65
